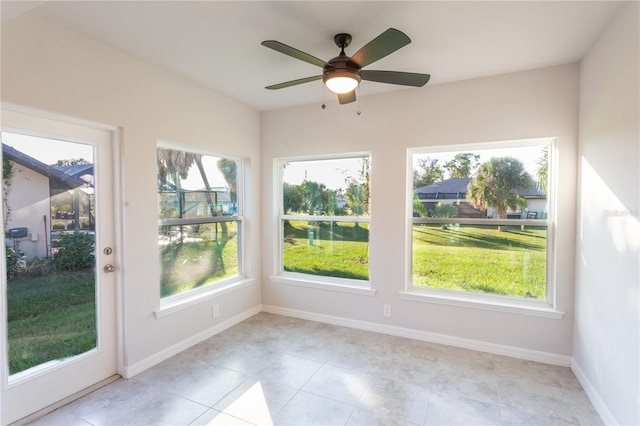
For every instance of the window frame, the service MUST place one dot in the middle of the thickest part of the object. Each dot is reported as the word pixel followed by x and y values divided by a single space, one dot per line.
pixel 309 280
pixel 537 307
pixel 179 301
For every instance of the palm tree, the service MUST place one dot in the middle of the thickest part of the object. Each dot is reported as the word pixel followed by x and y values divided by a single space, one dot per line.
pixel 496 184
pixel 176 164
pixel 543 171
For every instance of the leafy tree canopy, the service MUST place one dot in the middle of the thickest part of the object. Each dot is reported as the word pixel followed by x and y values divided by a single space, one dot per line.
pixel 462 165
pixel 428 172
pixel 542 173
pixel 70 162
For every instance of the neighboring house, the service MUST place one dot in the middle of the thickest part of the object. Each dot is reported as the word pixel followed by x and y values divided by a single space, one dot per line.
pixel 34 186
pixel 454 191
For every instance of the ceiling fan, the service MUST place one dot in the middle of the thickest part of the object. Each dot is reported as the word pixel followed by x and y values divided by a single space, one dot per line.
pixel 343 73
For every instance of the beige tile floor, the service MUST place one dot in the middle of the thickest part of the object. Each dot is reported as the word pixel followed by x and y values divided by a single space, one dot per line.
pixel 272 369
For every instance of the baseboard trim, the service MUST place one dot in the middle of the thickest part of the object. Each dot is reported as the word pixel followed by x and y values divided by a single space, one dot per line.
pixel 511 351
pixel 139 367
pixel 598 403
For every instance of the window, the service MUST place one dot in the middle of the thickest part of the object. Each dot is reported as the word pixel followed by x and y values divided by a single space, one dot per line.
pixel 324 218
pixel 482 222
pixel 199 220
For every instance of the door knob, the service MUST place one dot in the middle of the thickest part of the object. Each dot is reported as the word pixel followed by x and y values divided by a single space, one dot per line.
pixel 109 268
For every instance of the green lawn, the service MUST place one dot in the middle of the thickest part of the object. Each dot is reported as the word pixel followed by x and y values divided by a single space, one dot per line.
pixel 204 257
pixel 50 317
pixel 338 249
pixel 480 259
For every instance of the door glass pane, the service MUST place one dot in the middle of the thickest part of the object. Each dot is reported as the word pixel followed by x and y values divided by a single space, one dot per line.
pixel 49 222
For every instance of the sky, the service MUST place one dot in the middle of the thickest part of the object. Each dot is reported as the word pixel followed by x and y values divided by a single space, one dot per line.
pixel 215 178
pixel 529 156
pixel 48 151
pixel 331 172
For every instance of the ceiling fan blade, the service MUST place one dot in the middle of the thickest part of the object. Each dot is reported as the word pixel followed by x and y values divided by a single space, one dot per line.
pixel 346 98
pixel 293 82
pixel 386 43
pixel 293 52
pixel 396 77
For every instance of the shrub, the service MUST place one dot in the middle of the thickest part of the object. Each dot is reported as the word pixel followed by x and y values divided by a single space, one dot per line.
pixel 75 252
pixel 418 208
pixel 445 210
pixel 14 266
pixel 39 268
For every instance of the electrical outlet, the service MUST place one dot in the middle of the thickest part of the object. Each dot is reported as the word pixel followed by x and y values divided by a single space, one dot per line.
pixel 386 310
pixel 216 311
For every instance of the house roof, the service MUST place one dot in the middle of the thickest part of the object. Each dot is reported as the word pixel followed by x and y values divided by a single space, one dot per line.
pixel 52 173
pixel 456 188
pixel 77 170
pixel 450 186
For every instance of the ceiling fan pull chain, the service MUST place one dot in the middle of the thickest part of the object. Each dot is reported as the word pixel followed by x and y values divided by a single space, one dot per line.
pixel 358 101
pixel 322 88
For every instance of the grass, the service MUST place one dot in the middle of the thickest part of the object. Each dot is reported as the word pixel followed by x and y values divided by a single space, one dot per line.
pixel 480 259
pixel 53 316
pixel 50 317
pixel 203 257
pixel 339 249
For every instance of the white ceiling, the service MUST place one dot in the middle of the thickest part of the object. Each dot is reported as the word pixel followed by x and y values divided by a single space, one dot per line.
pixel 217 43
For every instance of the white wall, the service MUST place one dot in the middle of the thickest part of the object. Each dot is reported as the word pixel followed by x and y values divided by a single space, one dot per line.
pixel 607 320
pixel 532 104
pixel 48 67
pixel 29 202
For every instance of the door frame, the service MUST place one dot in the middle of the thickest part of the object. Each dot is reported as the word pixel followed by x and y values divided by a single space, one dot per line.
pixel 117 203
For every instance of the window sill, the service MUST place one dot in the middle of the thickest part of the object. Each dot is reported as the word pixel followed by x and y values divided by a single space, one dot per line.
pixel 533 308
pixel 182 301
pixel 346 287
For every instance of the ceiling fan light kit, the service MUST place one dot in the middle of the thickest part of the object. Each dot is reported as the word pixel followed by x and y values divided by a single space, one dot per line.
pixel 343 74
pixel 341 81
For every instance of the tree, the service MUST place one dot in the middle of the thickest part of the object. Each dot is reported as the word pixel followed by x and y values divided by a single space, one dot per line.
pixel 175 164
pixel 543 171
pixel 363 179
pixel 430 172
pixel 314 198
pixel 292 198
pixel 356 195
pixel 70 162
pixel 229 169
pixel 496 184
pixel 418 208
pixel 462 165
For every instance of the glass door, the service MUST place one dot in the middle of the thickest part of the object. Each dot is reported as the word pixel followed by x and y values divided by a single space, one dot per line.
pixel 58 260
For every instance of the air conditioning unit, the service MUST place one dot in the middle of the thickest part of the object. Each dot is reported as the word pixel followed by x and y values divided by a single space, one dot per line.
pixel 16 233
